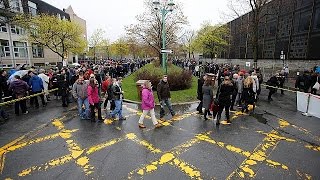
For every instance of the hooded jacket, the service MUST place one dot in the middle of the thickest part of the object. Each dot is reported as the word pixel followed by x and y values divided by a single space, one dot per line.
pixel 147 99
pixel 36 84
pixel 93 95
pixel 19 87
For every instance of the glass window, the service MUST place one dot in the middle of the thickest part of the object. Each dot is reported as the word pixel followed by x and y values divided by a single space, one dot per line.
pixel 304 21
pixel 5 48
pixel 20 49
pixel 15 5
pixel 37 51
pixel 3 27
pixel 17 30
pixel 32 8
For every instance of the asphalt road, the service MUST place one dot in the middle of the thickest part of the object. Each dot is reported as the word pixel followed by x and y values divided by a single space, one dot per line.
pixel 277 142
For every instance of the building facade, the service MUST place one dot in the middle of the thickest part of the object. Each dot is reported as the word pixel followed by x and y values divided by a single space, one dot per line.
pixel 288 27
pixel 83 25
pixel 14 48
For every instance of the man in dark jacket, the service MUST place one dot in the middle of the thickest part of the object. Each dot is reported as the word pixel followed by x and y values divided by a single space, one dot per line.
pixel 273 81
pixel 303 82
pixel 4 84
pixel 19 89
pixel 200 94
pixel 117 97
pixel 63 85
pixel 164 96
pixel 36 85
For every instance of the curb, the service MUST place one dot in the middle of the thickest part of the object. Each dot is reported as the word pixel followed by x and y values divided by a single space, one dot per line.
pixel 157 104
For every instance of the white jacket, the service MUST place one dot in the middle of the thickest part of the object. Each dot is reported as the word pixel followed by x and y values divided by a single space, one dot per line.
pixel 255 83
pixel 45 81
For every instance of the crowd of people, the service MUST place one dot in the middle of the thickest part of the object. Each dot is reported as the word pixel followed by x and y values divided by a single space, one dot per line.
pixel 88 84
pixel 223 87
pixel 94 86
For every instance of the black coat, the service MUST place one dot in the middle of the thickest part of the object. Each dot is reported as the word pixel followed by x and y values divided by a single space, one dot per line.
pixel 224 94
pixel 248 95
pixel 163 90
pixel 199 91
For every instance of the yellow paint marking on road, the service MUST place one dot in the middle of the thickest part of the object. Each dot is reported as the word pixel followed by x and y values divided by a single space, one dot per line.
pixel 139 113
pixel 231 148
pixel 314 148
pixel 260 154
pixel 75 150
pixel 144 143
pixel 37 140
pixel 43 167
pixel 103 145
pixel 276 136
pixel 304 175
pixel 188 169
pixel 3 151
pixel 283 123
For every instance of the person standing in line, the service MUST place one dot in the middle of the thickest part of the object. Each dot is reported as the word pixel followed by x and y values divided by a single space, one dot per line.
pixel 200 94
pixel 224 96
pixel 248 94
pixel 240 88
pixel 273 81
pixel 235 91
pixel 117 97
pixel 207 97
pixel 105 85
pixel 148 105
pixel 45 82
pixel 94 100
pixel 80 93
pixel 111 95
pixel 164 96
pixel 19 89
pixel 36 87
pixel 63 84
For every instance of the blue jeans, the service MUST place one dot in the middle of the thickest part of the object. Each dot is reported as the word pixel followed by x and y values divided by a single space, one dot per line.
pixel 168 103
pixel 83 113
pixel 117 110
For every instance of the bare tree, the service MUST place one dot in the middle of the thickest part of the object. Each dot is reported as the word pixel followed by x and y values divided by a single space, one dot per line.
pixel 257 13
pixel 149 27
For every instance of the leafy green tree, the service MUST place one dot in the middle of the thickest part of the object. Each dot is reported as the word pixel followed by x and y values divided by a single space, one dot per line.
pixel 211 40
pixel 60 36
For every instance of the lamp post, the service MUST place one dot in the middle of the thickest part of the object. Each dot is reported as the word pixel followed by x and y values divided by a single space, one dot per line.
pixel 165 7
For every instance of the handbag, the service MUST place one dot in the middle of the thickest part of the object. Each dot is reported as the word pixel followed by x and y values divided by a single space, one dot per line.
pixel 317 85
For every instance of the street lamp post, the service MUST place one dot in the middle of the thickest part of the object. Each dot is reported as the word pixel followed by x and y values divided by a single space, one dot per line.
pixel 165 7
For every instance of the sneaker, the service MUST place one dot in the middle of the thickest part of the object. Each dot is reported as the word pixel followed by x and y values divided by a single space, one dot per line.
pixel 26 112
pixel 142 126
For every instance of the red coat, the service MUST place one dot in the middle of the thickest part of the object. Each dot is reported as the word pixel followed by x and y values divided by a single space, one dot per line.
pixel 105 85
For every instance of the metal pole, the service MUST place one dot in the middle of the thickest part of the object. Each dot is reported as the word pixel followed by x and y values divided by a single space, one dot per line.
pixel 164 55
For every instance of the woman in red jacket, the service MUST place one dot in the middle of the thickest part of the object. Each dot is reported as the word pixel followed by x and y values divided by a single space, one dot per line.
pixel 94 100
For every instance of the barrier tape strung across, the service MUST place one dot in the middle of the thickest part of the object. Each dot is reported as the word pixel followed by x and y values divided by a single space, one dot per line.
pixel 280 88
pixel 27 97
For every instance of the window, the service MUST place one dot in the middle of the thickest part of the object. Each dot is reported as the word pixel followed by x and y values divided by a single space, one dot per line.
pixel 17 30
pixel 58 16
pixel 32 8
pixel 304 21
pixel 15 5
pixel 37 51
pixel 20 49
pixel 317 19
pixel 3 27
pixel 5 48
